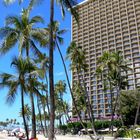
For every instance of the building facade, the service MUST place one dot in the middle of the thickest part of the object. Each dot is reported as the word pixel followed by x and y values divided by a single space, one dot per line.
pixel 107 25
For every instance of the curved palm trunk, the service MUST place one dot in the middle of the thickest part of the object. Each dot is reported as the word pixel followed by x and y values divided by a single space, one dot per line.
pixel 23 114
pixel 33 135
pixel 73 99
pixel 51 79
pixel 40 117
pixel 89 110
pixel 116 100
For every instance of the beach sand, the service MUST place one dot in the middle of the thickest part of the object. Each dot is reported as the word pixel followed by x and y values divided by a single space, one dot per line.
pixel 41 137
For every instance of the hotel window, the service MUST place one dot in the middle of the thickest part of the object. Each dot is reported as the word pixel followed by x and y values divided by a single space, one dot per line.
pixel 130 87
pixel 137 75
pixel 130 76
pixel 136 59
pixel 137 65
pixel 137 70
pixel 130 82
pixel 94 97
pixel 101 95
pixel 136 55
pixel 94 101
pixel 101 101
pixel 94 87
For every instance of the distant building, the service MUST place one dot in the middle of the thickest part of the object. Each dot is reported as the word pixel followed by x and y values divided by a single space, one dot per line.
pixel 107 25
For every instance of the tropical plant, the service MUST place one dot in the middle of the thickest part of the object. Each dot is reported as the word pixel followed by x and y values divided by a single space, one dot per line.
pixel 20 29
pixel 78 64
pixel 15 82
pixel 129 101
pixel 63 4
pixel 112 68
pixel 27 114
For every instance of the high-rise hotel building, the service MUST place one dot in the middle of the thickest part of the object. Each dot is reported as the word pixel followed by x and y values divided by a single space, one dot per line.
pixel 107 25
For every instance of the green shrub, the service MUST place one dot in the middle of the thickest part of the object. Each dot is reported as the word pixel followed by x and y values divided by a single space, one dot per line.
pixel 105 124
pixel 127 133
pixel 75 127
pixel 63 128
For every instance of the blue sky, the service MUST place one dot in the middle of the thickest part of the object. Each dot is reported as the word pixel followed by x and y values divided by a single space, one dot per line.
pixel 43 10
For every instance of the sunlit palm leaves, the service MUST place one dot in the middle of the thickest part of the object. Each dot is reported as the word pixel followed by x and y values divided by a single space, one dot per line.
pixel 19 30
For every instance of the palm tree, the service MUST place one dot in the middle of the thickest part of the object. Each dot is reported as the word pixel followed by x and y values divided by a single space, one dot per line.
pixel 79 65
pixel 63 4
pixel 112 67
pixel 27 113
pixel 19 29
pixel 11 1
pixel 22 32
pixel 14 82
pixel 60 89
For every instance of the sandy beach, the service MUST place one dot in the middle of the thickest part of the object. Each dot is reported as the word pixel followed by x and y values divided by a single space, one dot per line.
pixel 41 137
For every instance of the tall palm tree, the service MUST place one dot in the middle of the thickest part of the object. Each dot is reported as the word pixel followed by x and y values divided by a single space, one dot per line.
pixel 20 29
pixel 57 39
pixel 113 68
pixel 78 64
pixel 14 82
pixel 64 4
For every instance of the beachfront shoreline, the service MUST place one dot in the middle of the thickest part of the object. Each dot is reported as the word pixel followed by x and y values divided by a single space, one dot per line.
pixel 64 137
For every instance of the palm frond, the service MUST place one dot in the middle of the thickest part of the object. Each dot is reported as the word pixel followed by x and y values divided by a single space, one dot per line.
pixel 12 93
pixel 36 51
pixel 69 5
pixel 8 43
pixel 13 20
pixel 36 19
pixel 39 35
pixel 6 31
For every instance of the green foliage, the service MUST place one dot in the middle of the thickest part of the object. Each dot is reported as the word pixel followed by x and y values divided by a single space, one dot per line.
pixel 3 124
pixel 104 124
pixel 128 106
pixel 75 127
pixel 63 127
pixel 127 133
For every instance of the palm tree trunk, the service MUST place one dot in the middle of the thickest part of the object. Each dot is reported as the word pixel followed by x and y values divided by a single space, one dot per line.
pixel 33 135
pixel 65 111
pixel 51 80
pixel 40 117
pixel 112 112
pixel 45 119
pixel 33 117
pixel 47 101
pixel 117 99
pixel 137 113
pixel 89 108
pixel 23 114
pixel 73 99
